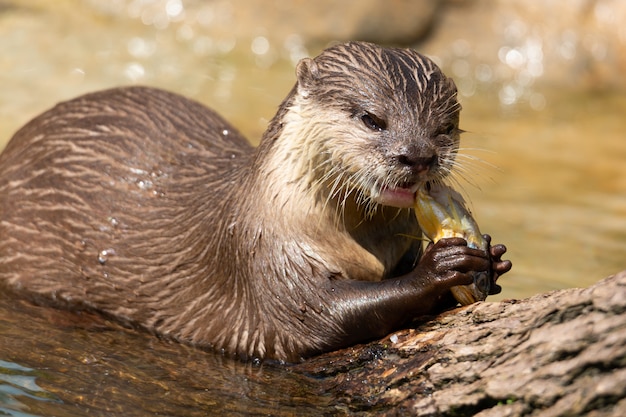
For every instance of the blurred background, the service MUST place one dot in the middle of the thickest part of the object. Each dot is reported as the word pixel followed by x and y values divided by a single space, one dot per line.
pixel 541 84
pixel 544 156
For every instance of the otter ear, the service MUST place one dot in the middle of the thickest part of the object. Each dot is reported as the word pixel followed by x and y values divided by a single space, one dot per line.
pixel 307 73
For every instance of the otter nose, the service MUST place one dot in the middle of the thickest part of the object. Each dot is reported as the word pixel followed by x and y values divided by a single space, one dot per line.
pixel 418 164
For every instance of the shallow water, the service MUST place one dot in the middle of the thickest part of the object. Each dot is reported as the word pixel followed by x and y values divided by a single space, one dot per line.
pixel 550 183
pixel 55 363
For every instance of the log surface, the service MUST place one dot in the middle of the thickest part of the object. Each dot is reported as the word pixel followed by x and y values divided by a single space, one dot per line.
pixel 557 354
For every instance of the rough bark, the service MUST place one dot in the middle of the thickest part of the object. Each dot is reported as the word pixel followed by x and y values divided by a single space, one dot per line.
pixel 556 354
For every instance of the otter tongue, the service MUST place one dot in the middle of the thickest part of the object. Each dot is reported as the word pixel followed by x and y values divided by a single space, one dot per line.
pixel 398 197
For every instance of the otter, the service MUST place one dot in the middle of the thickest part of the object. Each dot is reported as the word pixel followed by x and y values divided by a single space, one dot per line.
pixel 149 208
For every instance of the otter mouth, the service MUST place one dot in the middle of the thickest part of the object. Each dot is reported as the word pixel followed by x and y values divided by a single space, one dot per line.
pixel 401 196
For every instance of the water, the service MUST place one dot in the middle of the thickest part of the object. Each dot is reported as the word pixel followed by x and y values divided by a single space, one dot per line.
pixel 550 182
pixel 60 364
pixel 19 382
pixel 558 197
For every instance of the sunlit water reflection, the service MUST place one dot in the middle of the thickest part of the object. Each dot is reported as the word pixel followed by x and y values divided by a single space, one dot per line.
pixel 558 198
pixel 18 382
pixel 59 364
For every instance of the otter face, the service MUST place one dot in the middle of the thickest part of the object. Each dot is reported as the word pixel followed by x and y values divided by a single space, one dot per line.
pixel 381 122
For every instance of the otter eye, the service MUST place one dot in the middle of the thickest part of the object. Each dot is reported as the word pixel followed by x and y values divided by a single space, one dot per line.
pixel 373 122
pixel 447 129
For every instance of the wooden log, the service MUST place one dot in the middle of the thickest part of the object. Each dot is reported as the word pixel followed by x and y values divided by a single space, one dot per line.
pixel 557 354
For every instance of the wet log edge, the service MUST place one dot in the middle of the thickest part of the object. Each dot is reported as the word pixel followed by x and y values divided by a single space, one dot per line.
pixel 555 354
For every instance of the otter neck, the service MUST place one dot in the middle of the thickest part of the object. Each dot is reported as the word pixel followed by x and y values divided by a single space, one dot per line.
pixel 290 174
pixel 292 157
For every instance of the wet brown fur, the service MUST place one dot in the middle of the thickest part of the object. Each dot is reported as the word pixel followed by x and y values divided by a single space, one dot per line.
pixel 150 208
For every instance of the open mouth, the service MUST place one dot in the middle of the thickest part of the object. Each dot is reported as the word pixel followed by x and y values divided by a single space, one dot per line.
pixel 402 195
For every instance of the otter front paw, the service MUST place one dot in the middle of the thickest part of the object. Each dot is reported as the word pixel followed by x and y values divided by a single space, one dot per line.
pixel 448 263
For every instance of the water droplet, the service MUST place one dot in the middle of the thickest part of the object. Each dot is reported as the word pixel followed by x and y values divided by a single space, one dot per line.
pixel 138 171
pixel 114 222
pixel 157 174
pixel 80 245
pixel 144 185
pixel 104 255
pixel 225 132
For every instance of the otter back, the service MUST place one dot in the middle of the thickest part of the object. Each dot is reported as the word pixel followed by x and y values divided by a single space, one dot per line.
pixel 101 195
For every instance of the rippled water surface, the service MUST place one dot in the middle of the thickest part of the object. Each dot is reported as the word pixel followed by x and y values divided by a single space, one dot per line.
pixel 59 364
pixel 548 180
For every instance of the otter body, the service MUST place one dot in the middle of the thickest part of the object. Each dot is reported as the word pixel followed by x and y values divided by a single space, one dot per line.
pixel 150 208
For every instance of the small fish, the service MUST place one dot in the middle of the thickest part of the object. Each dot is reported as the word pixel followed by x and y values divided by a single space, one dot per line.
pixel 441 213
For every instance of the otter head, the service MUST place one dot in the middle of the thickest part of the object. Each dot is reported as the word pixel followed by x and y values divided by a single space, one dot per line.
pixel 372 123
